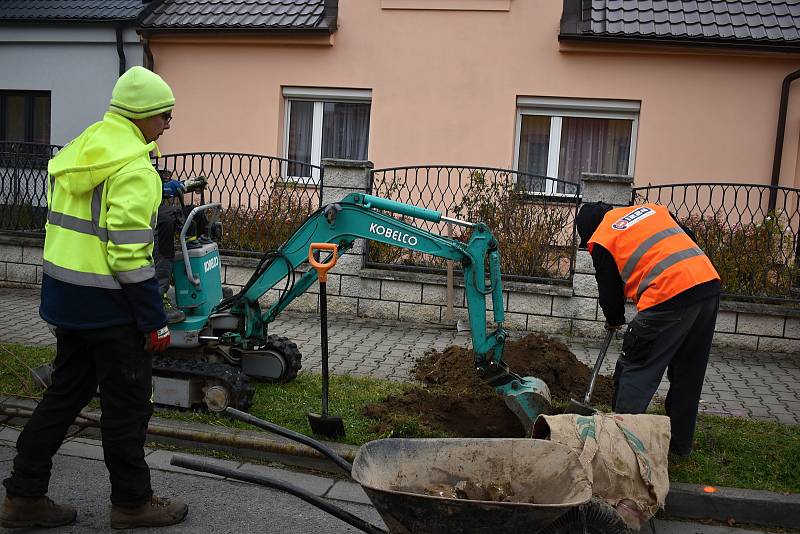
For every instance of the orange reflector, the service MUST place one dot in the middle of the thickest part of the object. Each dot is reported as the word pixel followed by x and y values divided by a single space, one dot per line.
pixel 709 489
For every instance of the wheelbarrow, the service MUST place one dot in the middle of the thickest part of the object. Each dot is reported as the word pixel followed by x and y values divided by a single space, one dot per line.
pixel 395 474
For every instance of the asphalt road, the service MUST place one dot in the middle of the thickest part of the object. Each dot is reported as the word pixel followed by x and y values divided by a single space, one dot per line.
pixel 226 506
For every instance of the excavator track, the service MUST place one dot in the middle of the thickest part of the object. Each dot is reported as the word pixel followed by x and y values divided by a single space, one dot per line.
pixel 238 388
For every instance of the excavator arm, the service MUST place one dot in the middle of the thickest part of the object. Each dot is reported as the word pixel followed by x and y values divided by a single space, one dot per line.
pixel 359 215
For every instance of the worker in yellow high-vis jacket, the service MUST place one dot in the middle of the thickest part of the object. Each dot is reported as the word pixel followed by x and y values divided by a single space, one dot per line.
pixel 100 293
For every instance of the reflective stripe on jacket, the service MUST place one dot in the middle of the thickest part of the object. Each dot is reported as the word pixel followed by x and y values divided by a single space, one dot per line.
pixel 103 197
pixel 655 257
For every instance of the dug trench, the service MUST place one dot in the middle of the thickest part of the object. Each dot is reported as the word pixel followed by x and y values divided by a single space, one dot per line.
pixel 455 402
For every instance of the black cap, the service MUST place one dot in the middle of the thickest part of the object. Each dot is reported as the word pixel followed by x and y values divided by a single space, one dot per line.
pixel 589 218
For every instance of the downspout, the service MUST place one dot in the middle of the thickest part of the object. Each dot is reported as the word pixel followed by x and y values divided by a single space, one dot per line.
pixel 149 62
pixel 121 50
pixel 776 161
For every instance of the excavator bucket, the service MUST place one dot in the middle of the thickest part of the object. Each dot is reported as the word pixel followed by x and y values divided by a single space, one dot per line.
pixel 528 397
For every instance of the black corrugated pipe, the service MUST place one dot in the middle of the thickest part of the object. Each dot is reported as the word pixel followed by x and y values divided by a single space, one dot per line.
pixel 776 161
pixel 121 50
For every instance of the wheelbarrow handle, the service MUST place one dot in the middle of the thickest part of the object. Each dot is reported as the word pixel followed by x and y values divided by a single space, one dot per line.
pixel 323 267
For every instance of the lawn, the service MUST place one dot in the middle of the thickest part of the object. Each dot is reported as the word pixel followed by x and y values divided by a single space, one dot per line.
pixel 728 451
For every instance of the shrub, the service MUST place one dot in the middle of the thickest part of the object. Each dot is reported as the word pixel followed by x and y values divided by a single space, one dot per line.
pixel 269 225
pixel 534 237
pixel 755 258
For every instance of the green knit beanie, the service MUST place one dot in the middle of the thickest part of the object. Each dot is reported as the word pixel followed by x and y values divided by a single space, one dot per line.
pixel 140 93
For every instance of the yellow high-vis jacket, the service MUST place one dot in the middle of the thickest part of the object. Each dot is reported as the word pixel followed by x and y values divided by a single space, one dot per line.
pixel 103 196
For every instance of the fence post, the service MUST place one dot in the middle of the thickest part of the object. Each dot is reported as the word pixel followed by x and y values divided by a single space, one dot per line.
pixel 340 178
pixel 612 189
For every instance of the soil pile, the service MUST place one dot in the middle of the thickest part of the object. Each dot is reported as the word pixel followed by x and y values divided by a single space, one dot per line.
pixel 458 403
pixel 474 491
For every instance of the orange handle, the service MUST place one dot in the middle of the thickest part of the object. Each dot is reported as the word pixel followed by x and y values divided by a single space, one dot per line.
pixel 322 268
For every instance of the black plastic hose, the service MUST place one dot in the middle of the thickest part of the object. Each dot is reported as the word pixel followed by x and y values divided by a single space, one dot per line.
pixel 343 464
pixel 319 502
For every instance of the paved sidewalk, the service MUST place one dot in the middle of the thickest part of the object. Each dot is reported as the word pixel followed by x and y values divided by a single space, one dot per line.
pixel 742 383
pixel 223 505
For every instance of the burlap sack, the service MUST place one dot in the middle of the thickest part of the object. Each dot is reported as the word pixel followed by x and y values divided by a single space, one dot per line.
pixel 625 456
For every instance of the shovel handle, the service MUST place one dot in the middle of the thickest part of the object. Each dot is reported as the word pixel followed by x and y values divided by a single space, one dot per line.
pixel 323 267
pixel 598 364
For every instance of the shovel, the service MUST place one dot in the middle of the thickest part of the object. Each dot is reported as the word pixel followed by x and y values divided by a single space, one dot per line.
pixel 585 408
pixel 324 424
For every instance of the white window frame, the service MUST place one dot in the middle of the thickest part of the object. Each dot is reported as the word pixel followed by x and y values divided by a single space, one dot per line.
pixel 317 95
pixel 556 109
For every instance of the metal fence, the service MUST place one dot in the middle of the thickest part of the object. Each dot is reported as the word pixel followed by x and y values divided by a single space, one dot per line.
pixel 264 199
pixel 750 232
pixel 23 186
pixel 535 232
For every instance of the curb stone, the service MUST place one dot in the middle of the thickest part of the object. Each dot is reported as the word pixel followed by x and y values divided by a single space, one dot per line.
pixel 756 507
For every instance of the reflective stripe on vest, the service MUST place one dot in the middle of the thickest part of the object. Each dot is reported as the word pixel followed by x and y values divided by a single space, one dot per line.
pixel 70 276
pixel 137 275
pixel 82 226
pixel 640 251
pixel 665 264
pixel 106 281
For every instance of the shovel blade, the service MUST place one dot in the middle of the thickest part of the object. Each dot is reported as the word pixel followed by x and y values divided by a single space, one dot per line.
pixel 330 426
pixel 579 408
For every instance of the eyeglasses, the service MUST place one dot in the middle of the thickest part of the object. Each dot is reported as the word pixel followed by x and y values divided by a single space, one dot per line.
pixel 167 116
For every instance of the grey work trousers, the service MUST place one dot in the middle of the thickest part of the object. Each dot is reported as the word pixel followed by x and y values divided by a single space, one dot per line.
pixel 677 341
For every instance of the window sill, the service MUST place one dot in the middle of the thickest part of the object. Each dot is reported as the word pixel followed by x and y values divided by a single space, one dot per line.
pixel 299 181
pixel 450 5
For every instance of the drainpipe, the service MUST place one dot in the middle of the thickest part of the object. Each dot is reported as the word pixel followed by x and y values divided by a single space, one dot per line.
pixel 149 62
pixel 776 161
pixel 121 50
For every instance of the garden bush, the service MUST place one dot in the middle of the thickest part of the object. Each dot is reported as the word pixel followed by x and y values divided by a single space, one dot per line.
pixel 267 226
pixel 535 237
pixel 753 259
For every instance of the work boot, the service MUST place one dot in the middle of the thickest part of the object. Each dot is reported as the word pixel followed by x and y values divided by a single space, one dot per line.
pixel 29 512
pixel 157 512
pixel 174 315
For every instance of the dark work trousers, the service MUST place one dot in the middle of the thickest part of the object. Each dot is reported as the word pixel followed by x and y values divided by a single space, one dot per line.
pixel 113 358
pixel 169 218
pixel 678 341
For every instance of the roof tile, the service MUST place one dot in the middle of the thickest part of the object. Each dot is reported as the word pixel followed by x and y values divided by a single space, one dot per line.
pixel 55 10
pixel 239 14
pixel 767 22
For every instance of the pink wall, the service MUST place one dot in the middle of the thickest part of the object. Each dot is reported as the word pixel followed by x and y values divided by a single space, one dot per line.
pixel 444 87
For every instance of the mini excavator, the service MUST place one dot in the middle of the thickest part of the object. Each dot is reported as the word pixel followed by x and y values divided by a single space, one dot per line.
pixel 224 340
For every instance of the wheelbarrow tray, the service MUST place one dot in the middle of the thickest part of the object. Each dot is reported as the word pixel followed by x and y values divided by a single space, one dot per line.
pixel 396 472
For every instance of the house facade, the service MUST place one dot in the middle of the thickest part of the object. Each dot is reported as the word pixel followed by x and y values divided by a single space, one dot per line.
pixel 59 62
pixel 663 91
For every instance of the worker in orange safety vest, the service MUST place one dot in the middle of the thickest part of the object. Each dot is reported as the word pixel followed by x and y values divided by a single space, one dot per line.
pixel 644 254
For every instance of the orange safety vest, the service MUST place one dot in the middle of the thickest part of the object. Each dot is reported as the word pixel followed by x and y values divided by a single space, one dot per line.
pixel 655 257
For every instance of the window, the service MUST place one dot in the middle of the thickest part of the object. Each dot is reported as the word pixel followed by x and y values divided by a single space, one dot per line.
pixel 25 116
pixel 325 123
pixel 562 138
